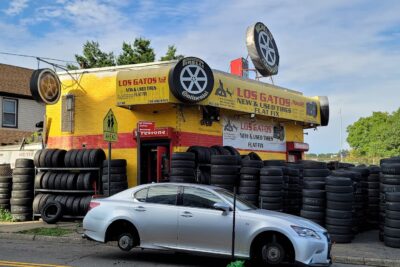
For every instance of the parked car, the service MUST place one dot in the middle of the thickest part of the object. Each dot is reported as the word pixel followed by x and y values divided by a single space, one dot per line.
pixel 198 219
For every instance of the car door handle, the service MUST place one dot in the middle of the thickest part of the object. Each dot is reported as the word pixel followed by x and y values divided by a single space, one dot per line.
pixel 187 214
pixel 140 208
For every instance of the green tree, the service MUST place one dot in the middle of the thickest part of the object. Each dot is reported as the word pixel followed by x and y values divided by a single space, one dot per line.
pixel 93 57
pixel 139 52
pixel 171 54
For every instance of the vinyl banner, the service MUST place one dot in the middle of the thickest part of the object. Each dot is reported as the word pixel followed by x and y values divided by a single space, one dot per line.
pixel 247 134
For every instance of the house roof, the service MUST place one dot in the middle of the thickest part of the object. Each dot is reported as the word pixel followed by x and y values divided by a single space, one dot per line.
pixel 15 80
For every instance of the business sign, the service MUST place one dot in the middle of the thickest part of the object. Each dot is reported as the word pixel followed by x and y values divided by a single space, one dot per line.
pixel 110 127
pixel 45 86
pixel 146 126
pixel 156 133
pixel 247 134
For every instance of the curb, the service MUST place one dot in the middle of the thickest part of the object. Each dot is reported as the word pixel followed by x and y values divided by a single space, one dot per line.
pixel 58 239
pixel 366 261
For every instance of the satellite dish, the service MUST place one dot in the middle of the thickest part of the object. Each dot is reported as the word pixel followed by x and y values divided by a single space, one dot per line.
pixel 262 49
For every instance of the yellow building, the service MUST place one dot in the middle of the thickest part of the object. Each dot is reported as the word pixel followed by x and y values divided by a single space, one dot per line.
pixel 180 104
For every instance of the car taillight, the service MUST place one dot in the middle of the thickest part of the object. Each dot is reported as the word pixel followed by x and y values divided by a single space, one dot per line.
pixel 93 204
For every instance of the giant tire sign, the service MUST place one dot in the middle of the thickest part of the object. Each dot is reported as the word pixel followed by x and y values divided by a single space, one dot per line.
pixel 324 109
pixel 262 49
pixel 45 86
pixel 191 80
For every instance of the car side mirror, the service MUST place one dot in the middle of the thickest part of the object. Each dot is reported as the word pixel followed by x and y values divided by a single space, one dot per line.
pixel 222 206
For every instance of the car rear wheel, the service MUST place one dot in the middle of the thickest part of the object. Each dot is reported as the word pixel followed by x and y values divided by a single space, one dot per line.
pixel 272 253
pixel 125 241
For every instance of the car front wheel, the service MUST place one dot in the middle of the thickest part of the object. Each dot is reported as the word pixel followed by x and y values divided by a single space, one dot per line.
pixel 272 253
pixel 126 241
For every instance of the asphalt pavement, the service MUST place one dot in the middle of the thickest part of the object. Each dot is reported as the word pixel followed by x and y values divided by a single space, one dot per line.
pixel 36 253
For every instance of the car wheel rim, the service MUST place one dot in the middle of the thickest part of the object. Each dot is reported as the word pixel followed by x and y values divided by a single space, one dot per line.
pixel 124 242
pixel 271 254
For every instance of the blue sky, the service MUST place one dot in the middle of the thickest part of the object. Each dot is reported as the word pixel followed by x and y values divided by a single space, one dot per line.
pixel 347 50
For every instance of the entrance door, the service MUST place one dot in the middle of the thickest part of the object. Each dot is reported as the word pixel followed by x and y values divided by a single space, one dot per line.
pixel 154 158
pixel 294 156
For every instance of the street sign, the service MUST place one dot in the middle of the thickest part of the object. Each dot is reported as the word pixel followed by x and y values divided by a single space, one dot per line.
pixel 147 126
pixel 110 127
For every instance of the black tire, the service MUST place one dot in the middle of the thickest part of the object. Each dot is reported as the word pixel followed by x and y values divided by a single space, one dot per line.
pixel 232 150
pixel 274 200
pixel 116 186
pixel 224 179
pixel 22 194
pixel 248 190
pixel 88 181
pixel 20 209
pixel 76 206
pixel 345 206
pixel 312 214
pixel 36 158
pixel 392 223
pixel 22 186
pixel 339 222
pixel 310 164
pixel 79 158
pixel 38 180
pixel 202 154
pixel 182 172
pixel 390 168
pixel 6 179
pixel 24 163
pixel 21 201
pixel 80 181
pixel 24 171
pixel 182 179
pixel 340 197
pixel 48 158
pixel 59 181
pixel 315 193
pixel 393 197
pixel 86 160
pixel 121 177
pixel 51 181
pixel 316 172
pixel 250 197
pixel 221 150
pixel 42 158
pixel 390 214
pixel 57 159
pixel 389 231
pixel 23 178
pixel 394 206
pixel 225 169
pixel 313 208
pixel 52 212
pixel 271 206
pixel 22 217
pixel 271 171
pixel 252 163
pixel 271 179
pixel 182 164
pixel 42 201
pixel 341 239
pixel 254 156
pixel 250 170
pixel 271 187
pixel 35 204
pixel 335 229
pixel 68 205
pixel 67 158
pixel 72 158
pixel 339 214
pixel 126 241
pixel 184 156
pixel 96 157
pixel 5 185
pixel 71 181
pixel 338 181
pixel 274 163
pixel 249 177
pixel 313 201
pixel 314 185
pixel 226 159
pixel 265 193
pixel 267 258
pixel 248 183
pixel 392 242
pixel 338 189
pixel 224 186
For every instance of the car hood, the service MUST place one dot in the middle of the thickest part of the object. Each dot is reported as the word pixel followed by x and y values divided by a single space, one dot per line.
pixel 283 219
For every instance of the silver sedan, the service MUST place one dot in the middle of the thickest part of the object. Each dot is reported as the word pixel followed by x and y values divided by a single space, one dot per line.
pixel 198 219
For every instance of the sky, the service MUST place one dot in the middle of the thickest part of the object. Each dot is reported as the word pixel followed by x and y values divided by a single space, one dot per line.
pixel 348 50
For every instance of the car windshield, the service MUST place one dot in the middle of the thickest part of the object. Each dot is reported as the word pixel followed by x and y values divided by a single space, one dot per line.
pixel 240 202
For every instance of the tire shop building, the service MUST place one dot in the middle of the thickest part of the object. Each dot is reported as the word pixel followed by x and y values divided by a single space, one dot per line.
pixel 179 105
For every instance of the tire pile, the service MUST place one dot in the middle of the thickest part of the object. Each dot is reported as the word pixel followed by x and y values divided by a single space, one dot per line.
pixel 339 215
pixel 225 171
pixel 66 180
pixel 71 205
pixel 22 190
pixel 118 177
pixel 313 192
pixel 183 168
pixel 249 184
pixel 392 220
pixel 372 196
pixel 360 195
pixel 74 158
pixel 271 188
pixel 5 186
pixel 390 182
pixel 295 184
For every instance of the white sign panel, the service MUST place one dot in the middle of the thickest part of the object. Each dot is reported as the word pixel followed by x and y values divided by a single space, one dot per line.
pixel 247 134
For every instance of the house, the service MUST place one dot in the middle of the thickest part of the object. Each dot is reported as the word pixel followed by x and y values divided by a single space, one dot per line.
pixel 19 112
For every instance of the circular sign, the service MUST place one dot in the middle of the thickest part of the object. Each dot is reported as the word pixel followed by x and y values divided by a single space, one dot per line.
pixel 262 49
pixel 45 86
pixel 191 80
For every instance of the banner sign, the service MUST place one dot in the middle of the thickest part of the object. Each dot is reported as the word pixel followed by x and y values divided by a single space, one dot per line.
pixel 247 134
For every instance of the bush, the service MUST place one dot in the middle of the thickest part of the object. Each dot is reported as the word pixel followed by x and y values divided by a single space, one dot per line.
pixel 236 264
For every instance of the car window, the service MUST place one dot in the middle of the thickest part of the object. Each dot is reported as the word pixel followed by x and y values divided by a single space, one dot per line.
pixel 165 194
pixel 199 198
pixel 141 195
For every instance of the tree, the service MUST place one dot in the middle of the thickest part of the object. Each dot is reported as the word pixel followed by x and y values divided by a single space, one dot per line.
pixel 139 52
pixel 171 54
pixel 93 57
pixel 375 136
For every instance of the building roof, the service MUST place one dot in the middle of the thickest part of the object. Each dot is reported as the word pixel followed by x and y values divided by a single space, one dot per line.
pixel 15 80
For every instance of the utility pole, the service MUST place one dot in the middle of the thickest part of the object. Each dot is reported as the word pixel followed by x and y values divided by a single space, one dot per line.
pixel 341 137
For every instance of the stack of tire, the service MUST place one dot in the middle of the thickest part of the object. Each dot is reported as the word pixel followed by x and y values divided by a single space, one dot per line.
pixel 295 184
pixel 5 186
pixel 339 195
pixel 225 171
pixel 285 171
pixel 392 220
pixel 360 198
pixel 250 180
pixel 390 182
pixel 22 190
pixel 70 205
pixel 118 177
pixel 84 158
pixel 49 158
pixel 313 192
pixel 183 168
pixel 65 180
pixel 271 188
pixel 372 204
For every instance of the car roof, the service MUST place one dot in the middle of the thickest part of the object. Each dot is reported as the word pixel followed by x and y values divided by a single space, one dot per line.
pixel 178 184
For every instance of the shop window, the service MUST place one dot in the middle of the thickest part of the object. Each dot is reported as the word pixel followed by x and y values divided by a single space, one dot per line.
pixel 166 195
pixel 199 198
pixel 10 113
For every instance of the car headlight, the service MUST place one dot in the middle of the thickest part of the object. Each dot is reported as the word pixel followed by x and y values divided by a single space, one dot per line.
pixel 305 232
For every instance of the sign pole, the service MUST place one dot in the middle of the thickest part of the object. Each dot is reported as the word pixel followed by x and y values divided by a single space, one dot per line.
pixel 234 223
pixel 109 168
pixel 138 153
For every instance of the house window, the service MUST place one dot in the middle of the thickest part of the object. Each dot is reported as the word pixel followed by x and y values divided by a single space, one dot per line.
pixel 10 113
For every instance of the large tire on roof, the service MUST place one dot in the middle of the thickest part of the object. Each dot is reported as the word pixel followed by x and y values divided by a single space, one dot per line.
pixel 24 163
pixel 52 212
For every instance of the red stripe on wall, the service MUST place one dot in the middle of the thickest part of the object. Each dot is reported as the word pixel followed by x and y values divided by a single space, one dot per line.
pixel 190 139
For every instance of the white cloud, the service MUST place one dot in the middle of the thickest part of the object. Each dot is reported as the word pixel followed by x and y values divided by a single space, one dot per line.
pixel 16 7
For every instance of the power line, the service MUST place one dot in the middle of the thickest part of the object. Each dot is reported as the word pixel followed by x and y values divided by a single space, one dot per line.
pixel 36 57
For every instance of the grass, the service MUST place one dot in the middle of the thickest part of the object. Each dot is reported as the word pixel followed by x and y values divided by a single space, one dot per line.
pixel 236 264
pixel 5 216
pixel 47 231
